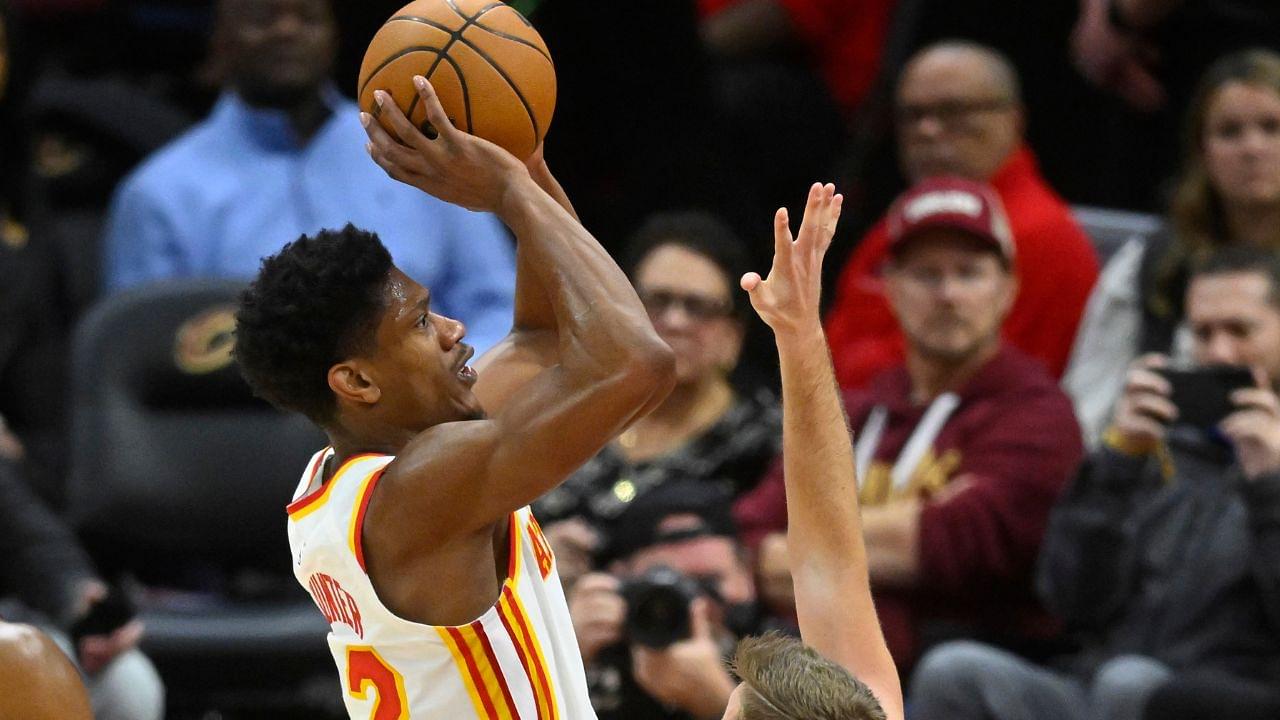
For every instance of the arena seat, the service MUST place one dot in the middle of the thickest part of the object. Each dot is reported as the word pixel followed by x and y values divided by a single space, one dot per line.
pixel 1109 229
pixel 179 479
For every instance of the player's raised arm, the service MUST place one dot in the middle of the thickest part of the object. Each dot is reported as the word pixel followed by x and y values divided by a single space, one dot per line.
pixel 532 344
pixel 612 365
pixel 828 558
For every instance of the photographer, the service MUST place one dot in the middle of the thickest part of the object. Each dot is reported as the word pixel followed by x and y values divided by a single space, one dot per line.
pixel 1164 555
pixel 655 631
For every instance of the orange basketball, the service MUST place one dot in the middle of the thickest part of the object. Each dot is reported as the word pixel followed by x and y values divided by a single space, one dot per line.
pixel 489 66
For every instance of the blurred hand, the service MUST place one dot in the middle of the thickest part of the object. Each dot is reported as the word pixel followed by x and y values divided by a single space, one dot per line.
pixel 97 651
pixel 598 613
pixel 573 541
pixel 1145 410
pixel 689 674
pixel 454 166
pixel 1115 61
pixel 788 299
pixel 1254 429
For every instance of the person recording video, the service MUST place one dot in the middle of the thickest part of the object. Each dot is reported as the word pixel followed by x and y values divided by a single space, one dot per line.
pixel 1164 554
pixel 655 631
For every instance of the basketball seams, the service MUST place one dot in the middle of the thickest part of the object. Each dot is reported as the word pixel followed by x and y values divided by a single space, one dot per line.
pixel 462 85
pixel 454 36
pixel 514 38
pixel 453 5
pixel 462 81
pixel 382 66
pixel 528 109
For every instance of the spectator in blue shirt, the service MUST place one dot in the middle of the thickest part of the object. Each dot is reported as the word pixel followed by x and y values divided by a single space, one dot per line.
pixel 283 154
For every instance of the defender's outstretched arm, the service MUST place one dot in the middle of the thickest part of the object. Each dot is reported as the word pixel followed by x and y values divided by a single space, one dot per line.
pixel 828 557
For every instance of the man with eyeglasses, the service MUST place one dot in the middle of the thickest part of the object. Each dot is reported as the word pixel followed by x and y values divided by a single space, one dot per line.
pixel 958 112
pixel 960 450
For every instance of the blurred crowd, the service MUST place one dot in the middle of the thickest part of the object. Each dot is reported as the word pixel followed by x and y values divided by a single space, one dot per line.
pixel 1053 307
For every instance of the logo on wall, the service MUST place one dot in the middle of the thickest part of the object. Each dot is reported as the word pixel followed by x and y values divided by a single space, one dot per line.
pixel 203 343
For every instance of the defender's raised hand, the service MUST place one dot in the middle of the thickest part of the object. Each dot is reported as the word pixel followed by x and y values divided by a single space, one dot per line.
pixel 454 166
pixel 787 300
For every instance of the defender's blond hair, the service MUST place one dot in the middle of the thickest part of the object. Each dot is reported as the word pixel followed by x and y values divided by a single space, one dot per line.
pixel 786 680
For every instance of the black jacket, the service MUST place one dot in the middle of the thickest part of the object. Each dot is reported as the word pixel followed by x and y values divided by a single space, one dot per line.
pixel 1173 556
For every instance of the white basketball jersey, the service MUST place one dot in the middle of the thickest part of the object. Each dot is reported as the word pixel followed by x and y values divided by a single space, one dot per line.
pixel 517 661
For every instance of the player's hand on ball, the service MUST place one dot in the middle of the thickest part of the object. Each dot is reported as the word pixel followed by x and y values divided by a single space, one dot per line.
pixel 787 300
pixel 454 166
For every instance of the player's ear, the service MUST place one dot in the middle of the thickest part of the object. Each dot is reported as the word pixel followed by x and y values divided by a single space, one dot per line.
pixel 349 382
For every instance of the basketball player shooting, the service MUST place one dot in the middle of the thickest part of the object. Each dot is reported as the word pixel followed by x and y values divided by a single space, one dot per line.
pixel 412 531
pixel 843 671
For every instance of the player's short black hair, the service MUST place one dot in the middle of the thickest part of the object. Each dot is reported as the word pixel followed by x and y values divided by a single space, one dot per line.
pixel 699 232
pixel 314 303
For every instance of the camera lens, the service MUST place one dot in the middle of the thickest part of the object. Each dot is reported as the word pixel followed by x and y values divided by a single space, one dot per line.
pixel 658 605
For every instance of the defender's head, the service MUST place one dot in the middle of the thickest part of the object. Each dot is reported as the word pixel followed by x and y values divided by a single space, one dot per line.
pixel 332 329
pixel 783 679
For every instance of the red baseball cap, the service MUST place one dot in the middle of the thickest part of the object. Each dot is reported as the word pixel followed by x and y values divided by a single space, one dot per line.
pixel 954 203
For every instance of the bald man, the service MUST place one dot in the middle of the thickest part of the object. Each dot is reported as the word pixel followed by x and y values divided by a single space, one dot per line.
pixel 959 112
pixel 38 682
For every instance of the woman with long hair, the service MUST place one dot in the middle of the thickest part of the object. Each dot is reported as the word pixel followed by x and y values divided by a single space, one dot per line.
pixel 1228 192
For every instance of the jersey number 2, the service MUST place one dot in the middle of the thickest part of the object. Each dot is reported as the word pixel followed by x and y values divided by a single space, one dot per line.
pixel 366 667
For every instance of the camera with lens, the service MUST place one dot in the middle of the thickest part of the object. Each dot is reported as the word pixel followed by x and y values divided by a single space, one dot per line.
pixel 658 604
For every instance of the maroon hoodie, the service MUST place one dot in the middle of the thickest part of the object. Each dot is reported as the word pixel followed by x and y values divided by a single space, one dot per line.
pixel 988 482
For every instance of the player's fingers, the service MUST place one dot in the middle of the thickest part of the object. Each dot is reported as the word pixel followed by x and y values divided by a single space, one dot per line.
pixel 382 145
pixel 385 109
pixel 814 210
pixel 833 219
pixel 782 238
pixel 395 170
pixel 436 115
pixel 750 281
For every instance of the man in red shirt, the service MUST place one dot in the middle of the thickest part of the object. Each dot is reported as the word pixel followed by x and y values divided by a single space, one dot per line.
pixel 961 450
pixel 958 113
